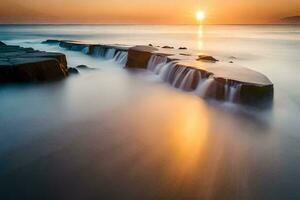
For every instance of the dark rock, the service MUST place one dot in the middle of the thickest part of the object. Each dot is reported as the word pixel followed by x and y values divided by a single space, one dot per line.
pixel 51 42
pixel 19 64
pixel 2 44
pixel 84 67
pixel 150 45
pixel 139 56
pixel 167 47
pixel 206 58
pixel 185 54
pixel 182 48
pixel 73 70
pixel 72 45
pixel 230 61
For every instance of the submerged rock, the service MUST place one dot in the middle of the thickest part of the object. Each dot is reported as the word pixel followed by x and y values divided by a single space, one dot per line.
pixel 18 64
pixel 73 70
pixel 167 47
pixel 185 54
pixel 84 67
pixel 182 48
pixel 207 58
pixel 50 41
pixel 2 44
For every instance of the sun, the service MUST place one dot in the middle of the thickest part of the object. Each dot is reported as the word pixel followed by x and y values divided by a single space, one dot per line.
pixel 200 15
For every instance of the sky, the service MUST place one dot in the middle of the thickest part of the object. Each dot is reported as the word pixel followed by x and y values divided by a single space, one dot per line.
pixel 146 11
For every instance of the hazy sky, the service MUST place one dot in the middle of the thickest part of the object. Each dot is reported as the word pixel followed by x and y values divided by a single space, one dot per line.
pixel 145 11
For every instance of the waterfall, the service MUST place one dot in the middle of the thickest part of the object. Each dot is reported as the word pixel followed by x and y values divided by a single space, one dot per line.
pixel 99 51
pixel 156 62
pixel 178 74
pixel 187 81
pixel 203 86
pixel 165 70
pixel 110 53
pixel 85 50
pixel 234 93
pixel 121 57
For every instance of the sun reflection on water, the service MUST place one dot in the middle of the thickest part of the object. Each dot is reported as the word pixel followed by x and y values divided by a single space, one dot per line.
pixel 188 134
pixel 200 37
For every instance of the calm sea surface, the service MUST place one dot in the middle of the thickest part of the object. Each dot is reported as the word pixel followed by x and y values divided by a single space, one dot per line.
pixel 114 133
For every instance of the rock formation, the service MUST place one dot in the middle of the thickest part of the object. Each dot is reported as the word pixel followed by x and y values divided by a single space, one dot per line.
pixel 201 74
pixel 18 64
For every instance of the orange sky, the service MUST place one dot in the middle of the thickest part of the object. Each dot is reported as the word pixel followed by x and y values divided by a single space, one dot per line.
pixel 146 11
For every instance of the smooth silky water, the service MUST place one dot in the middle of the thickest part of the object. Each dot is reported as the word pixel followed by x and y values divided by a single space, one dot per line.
pixel 125 134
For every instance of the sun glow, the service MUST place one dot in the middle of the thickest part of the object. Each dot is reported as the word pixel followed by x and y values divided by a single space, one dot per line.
pixel 200 15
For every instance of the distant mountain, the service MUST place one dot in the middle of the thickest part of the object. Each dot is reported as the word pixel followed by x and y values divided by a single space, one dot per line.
pixel 290 20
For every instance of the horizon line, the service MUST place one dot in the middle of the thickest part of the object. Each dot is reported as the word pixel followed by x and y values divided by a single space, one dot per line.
pixel 5 23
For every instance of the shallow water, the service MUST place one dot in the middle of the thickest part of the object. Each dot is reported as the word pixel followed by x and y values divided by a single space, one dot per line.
pixel 119 133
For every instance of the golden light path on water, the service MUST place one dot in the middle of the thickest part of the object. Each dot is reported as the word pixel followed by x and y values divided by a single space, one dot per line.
pixel 200 37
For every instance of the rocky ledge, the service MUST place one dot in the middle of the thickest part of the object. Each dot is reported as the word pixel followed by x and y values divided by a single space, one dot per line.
pixel 203 74
pixel 18 64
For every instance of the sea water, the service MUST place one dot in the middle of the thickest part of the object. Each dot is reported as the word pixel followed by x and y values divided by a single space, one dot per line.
pixel 125 134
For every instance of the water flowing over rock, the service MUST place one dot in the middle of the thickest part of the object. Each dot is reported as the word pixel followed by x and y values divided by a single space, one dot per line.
pixel 18 64
pixel 110 53
pixel 85 50
pixel 156 62
pixel 121 57
pixel 201 74
pixel 204 86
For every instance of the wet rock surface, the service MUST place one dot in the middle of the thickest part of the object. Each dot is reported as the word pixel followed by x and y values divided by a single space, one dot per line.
pixel 139 56
pixel 18 64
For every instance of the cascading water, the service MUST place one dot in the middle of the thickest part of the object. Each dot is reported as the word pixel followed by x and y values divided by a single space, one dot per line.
pixel 156 62
pixel 99 51
pixel 85 50
pixel 186 82
pixel 203 86
pixel 110 53
pixel 232 92
pixel 165 70
pixel 121 57
pixel 178 75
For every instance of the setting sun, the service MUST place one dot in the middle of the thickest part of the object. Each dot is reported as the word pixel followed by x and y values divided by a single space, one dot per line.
pixel 200 15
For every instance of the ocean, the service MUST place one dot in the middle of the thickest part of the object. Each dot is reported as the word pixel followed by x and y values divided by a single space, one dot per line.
pixel 115 133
